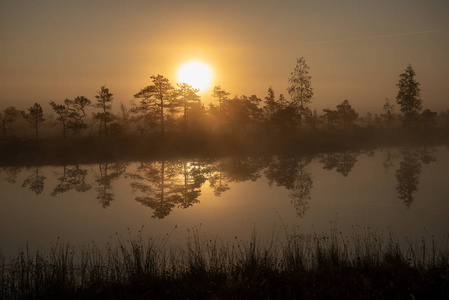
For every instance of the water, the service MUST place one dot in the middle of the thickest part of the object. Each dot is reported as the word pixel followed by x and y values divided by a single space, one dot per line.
pixel 404 191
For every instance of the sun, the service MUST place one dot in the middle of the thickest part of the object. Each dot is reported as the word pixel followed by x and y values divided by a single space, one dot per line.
pixel 197 74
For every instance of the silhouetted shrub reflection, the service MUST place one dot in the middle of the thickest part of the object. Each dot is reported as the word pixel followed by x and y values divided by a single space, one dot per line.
pixel 164 185
pixel 409 170
pixel 71 178
pixel 35 181
pixel 342 162
pixel 107 173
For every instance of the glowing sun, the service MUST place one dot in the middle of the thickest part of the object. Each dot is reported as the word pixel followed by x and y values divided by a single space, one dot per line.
pixel 197 74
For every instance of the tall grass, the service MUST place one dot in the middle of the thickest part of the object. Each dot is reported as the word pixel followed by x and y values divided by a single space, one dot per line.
pixel 365 264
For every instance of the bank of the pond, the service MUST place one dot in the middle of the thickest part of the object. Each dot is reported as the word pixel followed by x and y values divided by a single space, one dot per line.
pixel 363 266
pixel 84 150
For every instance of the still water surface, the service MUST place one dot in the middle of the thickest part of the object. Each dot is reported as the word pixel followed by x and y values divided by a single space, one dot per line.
pixel 404 191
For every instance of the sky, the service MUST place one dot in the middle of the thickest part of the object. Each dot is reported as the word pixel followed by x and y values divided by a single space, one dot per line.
pixel 356 49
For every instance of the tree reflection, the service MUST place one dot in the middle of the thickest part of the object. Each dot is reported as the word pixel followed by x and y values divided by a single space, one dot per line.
pixel 160 185
pixel 35 181
pixel 342 162
pixel 427 155
pixel 108 172
pixel 11 173
pixel 292 174
pixel 190 189
pixel 71 178
pixel 224 171
pixel 409 170
pixel 408 177
pixel 217 180
pixel 390 157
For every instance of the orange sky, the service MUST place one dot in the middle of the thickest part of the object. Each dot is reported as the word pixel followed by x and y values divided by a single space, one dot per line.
pixel 51 50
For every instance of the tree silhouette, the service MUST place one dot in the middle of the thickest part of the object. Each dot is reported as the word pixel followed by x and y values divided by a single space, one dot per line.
pixel 187 98
pixel 428 119
pixel 346 114
pixel 7 117
pixel 221 96
pixel 35 181
pixel 35 116
pixel 104 102
pixel 408 96
pixel 271 105
pixel 331 117
pixel 159 95
pixel 388 116
pixel 300 89
pixel 71 114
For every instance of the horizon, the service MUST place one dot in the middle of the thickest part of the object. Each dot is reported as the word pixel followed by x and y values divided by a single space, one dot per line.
pixel 355 50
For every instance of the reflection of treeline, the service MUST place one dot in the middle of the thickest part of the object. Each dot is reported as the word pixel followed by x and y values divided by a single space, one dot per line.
pixel 163 109
pixel 163 185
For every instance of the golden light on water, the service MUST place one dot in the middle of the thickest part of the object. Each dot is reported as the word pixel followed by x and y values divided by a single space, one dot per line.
pixel 197 74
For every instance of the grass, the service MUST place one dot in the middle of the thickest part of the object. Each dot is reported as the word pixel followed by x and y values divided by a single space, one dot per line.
pixel 364 265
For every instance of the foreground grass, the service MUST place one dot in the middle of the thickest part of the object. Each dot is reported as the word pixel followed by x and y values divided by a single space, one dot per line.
pixel 363 265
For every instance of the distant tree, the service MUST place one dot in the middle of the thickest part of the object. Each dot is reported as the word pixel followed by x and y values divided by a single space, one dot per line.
pixel 221 95
pixel 312 119
pixel 347 114
pixel 300 89
pixel 282 102
pixel 71 114
pixel 443 119
pixel 409 96
pixel 252 106
pixel 159 95
pixel 35 116
pixel 286 116
pixel 63 116
pixel 77 107
pixel 271 105
pixel 122 121
pixel 331 117
pixel 428 118
pixel 104 102
pixel 187 98
pixel 7 117
pixel 388 116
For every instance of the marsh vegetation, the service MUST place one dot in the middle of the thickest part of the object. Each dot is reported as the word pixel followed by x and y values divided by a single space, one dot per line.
pixel 365 264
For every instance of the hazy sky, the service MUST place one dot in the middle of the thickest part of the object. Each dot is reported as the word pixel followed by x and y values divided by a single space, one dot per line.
pixel 356 49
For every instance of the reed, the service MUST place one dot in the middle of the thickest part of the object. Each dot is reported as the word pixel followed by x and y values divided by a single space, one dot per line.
pixel 365 264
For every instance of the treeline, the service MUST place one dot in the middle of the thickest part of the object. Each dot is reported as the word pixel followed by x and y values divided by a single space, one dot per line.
pixel 162 108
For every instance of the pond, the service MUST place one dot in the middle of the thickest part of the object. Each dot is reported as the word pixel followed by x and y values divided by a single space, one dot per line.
pixel 403 191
